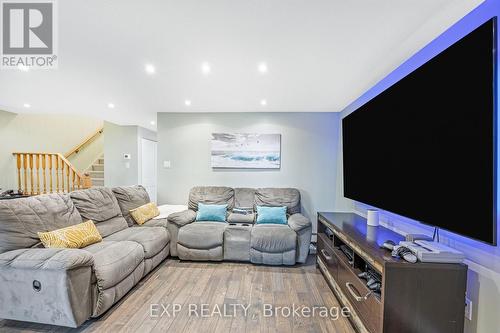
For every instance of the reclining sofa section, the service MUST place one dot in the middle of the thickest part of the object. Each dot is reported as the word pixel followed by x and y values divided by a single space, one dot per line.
pixel 270 244
pixel 65 287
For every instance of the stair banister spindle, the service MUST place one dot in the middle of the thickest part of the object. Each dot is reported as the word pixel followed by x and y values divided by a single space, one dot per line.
pixel 44 170
pixel 25 166
pixel 37 167
pixel 32 182
pixel 19 165
pixel 50 174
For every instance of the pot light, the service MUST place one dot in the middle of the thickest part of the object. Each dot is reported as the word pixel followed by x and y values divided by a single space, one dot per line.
pixel 111 105
pixel 150 69
pixel 263 102
pixel 205 68
pixel 187 102
pixel 23 68
pixel 262 67
pixel 26 105
pixel 152 122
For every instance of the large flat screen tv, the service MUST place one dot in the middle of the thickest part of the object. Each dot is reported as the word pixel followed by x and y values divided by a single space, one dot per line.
pixel 425 147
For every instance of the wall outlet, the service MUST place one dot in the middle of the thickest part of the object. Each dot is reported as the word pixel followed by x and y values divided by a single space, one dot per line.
pixel 127 156
pixel 468 309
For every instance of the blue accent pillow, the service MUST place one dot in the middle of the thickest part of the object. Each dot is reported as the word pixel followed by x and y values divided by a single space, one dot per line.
pixel 274 215
pixel 216 213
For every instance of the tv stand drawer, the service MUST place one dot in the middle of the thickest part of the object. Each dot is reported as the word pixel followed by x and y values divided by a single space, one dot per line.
pixel 365 303
pixel 327 254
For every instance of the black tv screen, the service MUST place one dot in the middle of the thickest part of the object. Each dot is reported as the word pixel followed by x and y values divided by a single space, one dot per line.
pixel 424 148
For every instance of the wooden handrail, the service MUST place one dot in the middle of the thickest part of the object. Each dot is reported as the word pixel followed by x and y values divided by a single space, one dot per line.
pixel 85 142
pixel 51 166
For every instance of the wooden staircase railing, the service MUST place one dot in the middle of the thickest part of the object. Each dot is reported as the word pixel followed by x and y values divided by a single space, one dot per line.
pixel 85 142
pixel 39 173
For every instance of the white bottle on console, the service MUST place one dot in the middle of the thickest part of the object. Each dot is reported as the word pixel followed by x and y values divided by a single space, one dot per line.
pixel 372 217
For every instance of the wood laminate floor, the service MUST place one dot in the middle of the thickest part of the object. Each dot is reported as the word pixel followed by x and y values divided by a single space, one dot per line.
pixel 216 285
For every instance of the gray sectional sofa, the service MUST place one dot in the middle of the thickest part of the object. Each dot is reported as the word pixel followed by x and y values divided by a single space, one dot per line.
pixel 241 239
pixel 68 286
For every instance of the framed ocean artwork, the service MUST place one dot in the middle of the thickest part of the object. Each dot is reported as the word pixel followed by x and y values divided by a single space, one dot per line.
pixel 246 151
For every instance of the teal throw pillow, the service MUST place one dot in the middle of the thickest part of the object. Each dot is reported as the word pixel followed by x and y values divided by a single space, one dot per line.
pixel 274 215
pixel 216 213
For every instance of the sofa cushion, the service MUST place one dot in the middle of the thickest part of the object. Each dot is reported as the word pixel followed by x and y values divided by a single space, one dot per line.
pixel 154 223
pixel 114 261
pixel 130 197
pixel 244 197
pixel 289 197
pixel 241 218
pixel 21 219
pixel 211 195
pixel 152 239
pixel 273 238
pixel 100 205
pixel 202 235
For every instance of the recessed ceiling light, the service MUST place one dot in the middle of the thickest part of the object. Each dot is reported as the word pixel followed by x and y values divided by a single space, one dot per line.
pixel 205 68
pixel 262 67
pixel 152 122
pixel 263 102
pixel 150 69
pixel 187 102
pixel 23 68
pixel 26 105
pixel 111 105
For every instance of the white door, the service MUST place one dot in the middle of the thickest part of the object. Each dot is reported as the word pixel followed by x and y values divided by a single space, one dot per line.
pixel 148 167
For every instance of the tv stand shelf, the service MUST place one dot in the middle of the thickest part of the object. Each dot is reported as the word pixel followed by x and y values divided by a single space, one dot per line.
pixel 413 298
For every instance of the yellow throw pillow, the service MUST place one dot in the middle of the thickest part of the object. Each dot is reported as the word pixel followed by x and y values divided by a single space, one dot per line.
pixel 145 213
pixel 72 237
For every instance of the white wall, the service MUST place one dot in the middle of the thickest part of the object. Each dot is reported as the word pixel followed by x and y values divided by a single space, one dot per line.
pixel 44 133
pixel 308 155
pixel 119 140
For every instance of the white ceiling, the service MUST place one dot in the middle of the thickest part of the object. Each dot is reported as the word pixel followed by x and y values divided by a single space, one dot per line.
pixel 321 55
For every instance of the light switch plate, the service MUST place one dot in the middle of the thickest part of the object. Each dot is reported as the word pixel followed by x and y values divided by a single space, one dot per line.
pixel 127 156
pixel 468 309
pixel 167 164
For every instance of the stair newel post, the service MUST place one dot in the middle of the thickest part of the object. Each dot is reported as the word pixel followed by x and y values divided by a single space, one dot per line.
pixel 72 179
pixel 67 177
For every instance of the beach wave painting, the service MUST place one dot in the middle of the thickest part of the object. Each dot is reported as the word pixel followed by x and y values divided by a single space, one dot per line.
pixel 246 151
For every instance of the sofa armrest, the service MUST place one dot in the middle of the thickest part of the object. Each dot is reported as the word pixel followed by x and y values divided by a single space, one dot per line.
pixel 180 219
pixel 49 286
pixel 298 222
pixel 49 259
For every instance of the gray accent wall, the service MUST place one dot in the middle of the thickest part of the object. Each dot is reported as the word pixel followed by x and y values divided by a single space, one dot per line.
pixel 120 140
pixel 308 154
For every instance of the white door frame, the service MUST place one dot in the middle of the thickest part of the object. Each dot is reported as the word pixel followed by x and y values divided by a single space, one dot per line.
pixel 141 140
